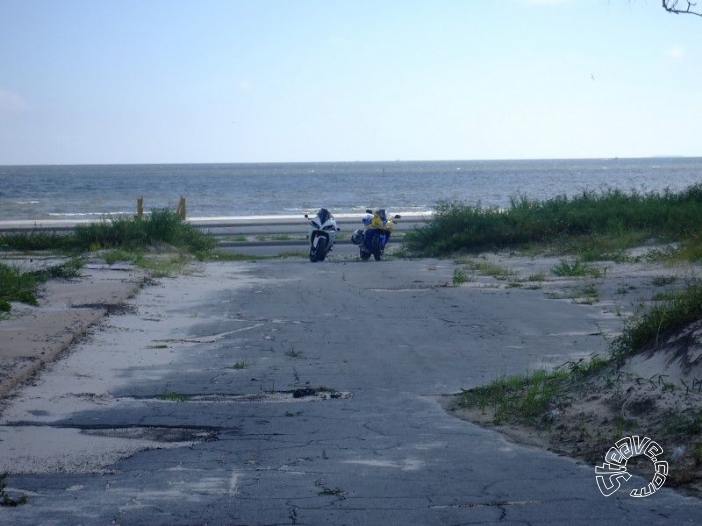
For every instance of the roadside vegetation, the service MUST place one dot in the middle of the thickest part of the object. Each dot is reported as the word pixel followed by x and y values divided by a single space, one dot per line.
pixel 594 224
pixel 525 398
pixel 160 242
pixel 649 328
pixel 21 286
pixel 161 226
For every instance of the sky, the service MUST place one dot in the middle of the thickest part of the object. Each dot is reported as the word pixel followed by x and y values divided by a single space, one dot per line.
pixel 234 81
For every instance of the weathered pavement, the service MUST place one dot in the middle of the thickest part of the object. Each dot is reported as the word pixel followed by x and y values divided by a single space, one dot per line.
pixel 182 412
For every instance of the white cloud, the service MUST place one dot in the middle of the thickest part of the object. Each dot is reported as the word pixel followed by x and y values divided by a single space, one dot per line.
pixel 11 102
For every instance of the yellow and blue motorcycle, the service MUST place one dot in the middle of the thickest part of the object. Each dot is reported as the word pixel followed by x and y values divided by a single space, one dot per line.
pixel 375 235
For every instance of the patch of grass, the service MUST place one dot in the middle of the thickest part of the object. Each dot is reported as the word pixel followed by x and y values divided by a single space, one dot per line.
pixel 586 294
pixel 515 398
pixel 583 368
pixel 67 270
pixel 539 276
pixel 459 276
pixel 243 364
pixel 162 265
pixel 173 397
pixel 17 285
pixel 527 398
pixel 21 286
pixel 575 269
pixel 486 268
pixel 119 254
pixel 645 330
pixel 292 353
pixel 689 249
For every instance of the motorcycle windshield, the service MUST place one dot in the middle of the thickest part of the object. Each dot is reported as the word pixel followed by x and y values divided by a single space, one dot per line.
pixel 323 215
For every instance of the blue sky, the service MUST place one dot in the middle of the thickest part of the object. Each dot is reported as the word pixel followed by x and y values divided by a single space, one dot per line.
pixel 170 81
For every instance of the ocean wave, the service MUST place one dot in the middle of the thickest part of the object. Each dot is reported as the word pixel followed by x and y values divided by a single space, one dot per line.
pixel 27 202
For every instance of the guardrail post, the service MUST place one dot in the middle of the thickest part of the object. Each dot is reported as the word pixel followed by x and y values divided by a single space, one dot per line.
pixel 140 207
pixel 180 212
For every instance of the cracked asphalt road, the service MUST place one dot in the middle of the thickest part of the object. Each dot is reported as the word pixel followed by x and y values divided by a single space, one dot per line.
pixel 181 411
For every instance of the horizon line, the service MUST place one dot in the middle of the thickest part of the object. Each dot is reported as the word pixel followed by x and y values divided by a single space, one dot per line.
pixel 526 159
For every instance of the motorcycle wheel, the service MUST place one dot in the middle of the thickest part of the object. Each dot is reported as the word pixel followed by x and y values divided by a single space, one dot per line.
pixel 377 248
pixel 318 254
pixel 364 255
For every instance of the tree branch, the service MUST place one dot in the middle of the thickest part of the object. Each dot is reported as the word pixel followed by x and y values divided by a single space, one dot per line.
pixel 687 7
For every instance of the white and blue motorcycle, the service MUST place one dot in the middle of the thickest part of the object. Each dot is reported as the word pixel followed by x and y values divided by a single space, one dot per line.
pixel 322 234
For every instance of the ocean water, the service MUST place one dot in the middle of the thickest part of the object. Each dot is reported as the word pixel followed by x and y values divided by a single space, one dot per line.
pixel 235 190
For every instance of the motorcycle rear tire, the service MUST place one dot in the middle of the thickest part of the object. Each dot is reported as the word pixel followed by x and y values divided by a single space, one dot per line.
pixel 365 256
pixel 377 248
pixel 319 253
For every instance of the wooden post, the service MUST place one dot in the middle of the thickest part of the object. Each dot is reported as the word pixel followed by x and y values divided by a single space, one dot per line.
pixel 140 207
pixel 180 212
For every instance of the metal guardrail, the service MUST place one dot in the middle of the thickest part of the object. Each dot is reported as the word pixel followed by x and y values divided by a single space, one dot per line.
pixel 237 231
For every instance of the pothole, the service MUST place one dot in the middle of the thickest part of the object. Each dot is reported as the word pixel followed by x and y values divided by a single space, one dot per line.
pixel 305 394
pixel 155 434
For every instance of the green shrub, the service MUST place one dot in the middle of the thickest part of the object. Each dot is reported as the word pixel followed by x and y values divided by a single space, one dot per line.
pixel 460 227
pixel 160 226
pixel 16 285
pixel 641 331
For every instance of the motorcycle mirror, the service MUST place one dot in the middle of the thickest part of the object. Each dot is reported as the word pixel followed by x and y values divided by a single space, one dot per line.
pixel 398 216
pixel 369 211
pixel 306 216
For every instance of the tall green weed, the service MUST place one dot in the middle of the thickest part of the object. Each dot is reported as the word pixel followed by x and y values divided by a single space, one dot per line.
pixel 641 331
pixel 460 227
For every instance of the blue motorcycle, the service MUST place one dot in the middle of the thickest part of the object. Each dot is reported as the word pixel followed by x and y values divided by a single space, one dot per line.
pixel 375 235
